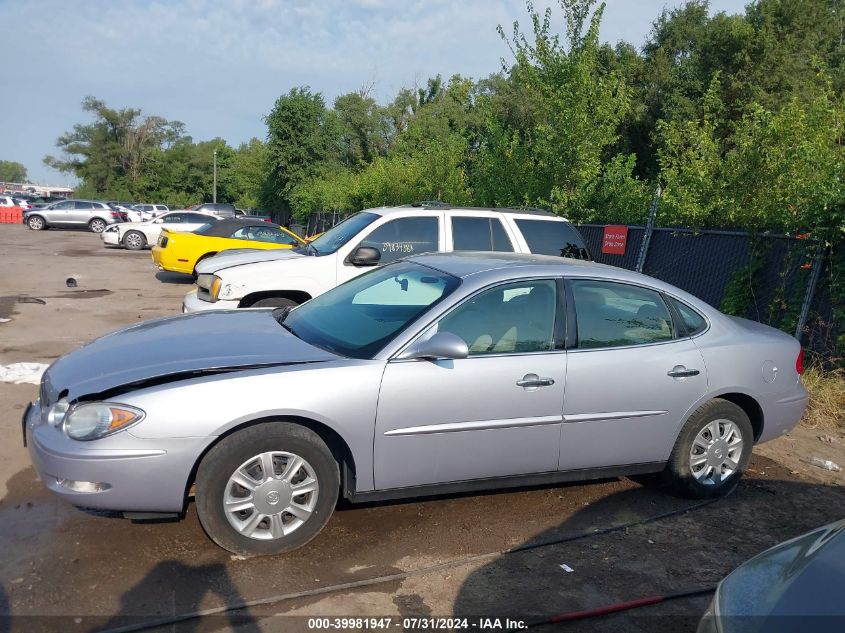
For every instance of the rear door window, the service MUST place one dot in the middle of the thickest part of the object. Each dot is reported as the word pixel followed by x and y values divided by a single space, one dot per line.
pixel 548 237
pixel 479 234
pixel 82 206
pixel 612 314
pixel 403 237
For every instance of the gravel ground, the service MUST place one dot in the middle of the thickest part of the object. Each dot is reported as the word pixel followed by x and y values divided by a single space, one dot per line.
pixel 68 570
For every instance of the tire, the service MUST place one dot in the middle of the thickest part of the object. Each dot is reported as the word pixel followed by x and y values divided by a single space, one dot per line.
pixel 240 455
pixel 274 302
pixel 36 223
pixel 134 240
pixel 97 225
pixel 723 460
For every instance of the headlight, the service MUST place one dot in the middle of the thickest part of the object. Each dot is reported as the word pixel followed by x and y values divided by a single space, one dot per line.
pixel 91 421
pixel 56 414
pixel 216 283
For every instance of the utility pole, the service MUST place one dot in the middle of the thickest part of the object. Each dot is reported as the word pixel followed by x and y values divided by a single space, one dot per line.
pixel 215 176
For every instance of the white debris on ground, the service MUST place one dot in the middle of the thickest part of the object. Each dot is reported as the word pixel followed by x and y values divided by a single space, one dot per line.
pixel 20 373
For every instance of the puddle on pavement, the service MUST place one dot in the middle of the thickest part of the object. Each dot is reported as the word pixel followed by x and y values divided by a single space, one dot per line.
pixel 8 303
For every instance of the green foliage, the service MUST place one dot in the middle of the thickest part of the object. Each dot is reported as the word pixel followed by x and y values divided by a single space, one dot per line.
pixel 12 171
pixel 303 138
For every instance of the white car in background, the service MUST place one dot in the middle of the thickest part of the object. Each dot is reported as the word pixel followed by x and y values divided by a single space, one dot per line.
pixel 136 236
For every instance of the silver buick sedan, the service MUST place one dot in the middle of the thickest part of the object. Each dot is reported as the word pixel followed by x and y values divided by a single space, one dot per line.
pixel 438 373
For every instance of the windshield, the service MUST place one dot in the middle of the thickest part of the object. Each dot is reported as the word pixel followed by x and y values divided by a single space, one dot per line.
pixel 341 233
pixel 360 317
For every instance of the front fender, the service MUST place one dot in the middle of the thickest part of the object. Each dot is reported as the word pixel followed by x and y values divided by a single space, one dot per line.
pixel 342 395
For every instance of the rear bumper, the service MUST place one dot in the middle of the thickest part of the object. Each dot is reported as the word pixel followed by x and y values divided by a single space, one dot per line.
pixel 165 259
pixel 119 473
pixel 783 412
pixel 192 303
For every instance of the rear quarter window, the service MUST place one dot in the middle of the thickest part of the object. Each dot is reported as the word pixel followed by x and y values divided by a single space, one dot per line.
pixel 549 237
pixel 692 321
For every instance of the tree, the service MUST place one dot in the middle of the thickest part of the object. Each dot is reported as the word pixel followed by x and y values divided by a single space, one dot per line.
pixel 302 138
pixel 113 154
pixel 555 158
pixel 12 171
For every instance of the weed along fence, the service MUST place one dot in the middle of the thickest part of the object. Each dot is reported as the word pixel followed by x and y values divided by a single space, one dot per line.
pixel 772 279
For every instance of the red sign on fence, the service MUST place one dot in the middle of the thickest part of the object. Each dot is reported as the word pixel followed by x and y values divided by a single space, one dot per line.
pixel 615 240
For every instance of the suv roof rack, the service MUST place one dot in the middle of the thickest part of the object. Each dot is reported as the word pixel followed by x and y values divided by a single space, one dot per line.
pixel 437 204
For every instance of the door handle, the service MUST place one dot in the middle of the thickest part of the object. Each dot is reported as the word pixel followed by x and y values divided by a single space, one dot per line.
pixel 679 371
pixel 533 380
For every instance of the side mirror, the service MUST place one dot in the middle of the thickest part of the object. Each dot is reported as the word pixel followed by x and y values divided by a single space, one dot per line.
pixel 441 345
pixel 364 256
pixel 159 221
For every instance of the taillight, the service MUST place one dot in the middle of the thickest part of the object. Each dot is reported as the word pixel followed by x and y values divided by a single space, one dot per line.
pixel 799 362
pixel 115 214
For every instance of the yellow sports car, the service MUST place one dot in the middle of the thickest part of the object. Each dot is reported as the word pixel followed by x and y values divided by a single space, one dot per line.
pixel 180 252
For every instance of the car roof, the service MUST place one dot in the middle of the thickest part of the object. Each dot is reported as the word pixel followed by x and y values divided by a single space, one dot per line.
pixel 225 226
pixel 465 263
pixel 431 206
pixel 491 267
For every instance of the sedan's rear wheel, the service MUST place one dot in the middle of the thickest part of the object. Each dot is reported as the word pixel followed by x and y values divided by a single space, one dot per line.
pixel 267 489
pixel 712 450
pixel 97 225
pixel 134 240
pixel 36 223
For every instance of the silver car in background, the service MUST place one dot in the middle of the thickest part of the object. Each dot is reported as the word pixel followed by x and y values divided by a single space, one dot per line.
pixel 94 215
pixel 438 373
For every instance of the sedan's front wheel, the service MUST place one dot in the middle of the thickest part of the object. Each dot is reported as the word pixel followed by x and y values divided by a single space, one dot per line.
pixel 134 240
pixel 712 450
pixel 267 489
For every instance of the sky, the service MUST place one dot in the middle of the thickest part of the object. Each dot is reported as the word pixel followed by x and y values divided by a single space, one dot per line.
pixel 219 65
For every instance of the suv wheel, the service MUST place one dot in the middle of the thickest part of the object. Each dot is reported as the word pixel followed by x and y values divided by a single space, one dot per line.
pixel 36 223
pixel 274 302
pixel 267 489
pixel 97 225
pixel 711 451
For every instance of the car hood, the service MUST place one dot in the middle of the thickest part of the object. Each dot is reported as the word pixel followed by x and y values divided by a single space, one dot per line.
pixel 801 577
pixel 175 347
pixel 240 256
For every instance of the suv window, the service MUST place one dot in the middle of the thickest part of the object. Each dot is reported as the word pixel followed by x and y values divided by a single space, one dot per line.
pixel 511 318
pixel 479 234
pixel 612 314
pixel 693 321
pixel 79 205
pixel 403 237
pixel 547 237
pixel 64 206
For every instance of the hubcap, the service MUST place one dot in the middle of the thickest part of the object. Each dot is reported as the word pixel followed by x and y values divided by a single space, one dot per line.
pixel 97 226
pixel 271 495
pixel 716 452
pixel 36 223
pixel 133 240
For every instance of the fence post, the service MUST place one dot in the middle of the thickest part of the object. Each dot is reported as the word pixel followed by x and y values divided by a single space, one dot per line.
pixel 648 231
pixel 818 262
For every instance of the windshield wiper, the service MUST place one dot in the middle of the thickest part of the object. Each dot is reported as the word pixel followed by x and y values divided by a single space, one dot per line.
pixel 280 314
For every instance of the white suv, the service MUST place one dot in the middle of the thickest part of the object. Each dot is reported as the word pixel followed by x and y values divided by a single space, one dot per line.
pixel 257 279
